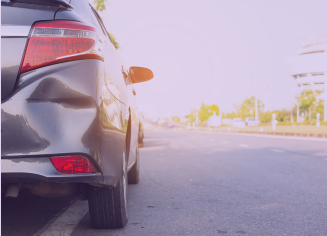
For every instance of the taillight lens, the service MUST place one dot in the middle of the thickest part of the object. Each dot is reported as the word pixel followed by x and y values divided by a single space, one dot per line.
pixel 73 165
pixel 58 41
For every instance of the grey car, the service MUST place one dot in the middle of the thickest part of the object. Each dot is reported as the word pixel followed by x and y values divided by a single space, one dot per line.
pixel 68 113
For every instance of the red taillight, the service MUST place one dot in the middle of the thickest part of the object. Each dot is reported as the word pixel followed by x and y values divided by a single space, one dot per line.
pixel 73 165
pixel 58 41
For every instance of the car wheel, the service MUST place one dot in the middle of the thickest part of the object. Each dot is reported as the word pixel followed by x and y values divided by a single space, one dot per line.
pixel 107 206
pixel 134 173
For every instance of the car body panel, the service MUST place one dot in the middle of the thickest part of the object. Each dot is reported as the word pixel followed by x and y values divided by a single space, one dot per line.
pixel 134 125
pixel 56 111
pixel 40 168
pixel 16 20
pixel 25 14
pixel 79 107
pixel 12 50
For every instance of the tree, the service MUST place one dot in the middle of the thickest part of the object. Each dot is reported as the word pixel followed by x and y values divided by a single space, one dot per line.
pixel 308 100
pixel 266 117
pixel 244 110
pixel 192 116
pixel 230 115
pixel 100 6
pixel 206 111
pixel 320 108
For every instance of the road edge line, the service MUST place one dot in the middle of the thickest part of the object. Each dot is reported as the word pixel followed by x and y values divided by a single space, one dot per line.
pixel 66 220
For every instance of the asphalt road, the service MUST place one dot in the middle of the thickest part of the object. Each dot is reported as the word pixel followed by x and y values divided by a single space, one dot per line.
pixel 201 183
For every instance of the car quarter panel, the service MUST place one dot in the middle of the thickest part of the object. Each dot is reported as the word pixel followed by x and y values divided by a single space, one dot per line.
pixel 12 50
pixel 65 109
pixel 115 73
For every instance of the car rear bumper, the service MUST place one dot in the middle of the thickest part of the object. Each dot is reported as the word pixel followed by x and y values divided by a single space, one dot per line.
pixel 40 169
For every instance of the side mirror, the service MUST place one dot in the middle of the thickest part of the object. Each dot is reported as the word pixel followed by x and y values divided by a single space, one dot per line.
pixel 140 74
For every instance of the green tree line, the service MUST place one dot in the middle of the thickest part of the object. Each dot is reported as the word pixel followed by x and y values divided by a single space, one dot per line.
pixel 307 101
pixel 203 113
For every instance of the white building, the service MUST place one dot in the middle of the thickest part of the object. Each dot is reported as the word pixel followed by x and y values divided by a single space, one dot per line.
pixel 309 68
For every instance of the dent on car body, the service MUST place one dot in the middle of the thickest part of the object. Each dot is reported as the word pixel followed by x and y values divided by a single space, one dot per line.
pixel 55 112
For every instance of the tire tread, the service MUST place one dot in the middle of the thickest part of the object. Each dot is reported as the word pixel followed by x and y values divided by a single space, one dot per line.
pixel 106 206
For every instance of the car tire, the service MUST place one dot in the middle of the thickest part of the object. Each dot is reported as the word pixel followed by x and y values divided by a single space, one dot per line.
pixel 134 172
pixel 108 206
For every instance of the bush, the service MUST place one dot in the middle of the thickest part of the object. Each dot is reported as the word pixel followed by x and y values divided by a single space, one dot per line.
pixel 285 124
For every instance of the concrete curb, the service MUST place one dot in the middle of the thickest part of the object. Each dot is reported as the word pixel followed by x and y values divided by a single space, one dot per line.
pixel 291 134
pixel 311 135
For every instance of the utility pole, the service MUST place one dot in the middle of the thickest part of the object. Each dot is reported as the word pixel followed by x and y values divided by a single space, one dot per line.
pixel 256 109
pixel 197 118
pixel 256 87
pixel 298 112
pixel 325 97
pixel 266 94
pixel 325 85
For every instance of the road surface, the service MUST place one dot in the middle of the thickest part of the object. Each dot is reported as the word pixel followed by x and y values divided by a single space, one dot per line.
pixel 201 183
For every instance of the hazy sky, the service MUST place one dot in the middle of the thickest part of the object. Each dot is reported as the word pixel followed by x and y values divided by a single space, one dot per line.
pixel 213 51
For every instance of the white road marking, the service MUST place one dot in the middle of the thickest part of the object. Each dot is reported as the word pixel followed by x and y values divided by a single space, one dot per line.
pixel 244 145
pixel 276 150
pixel 224 142
pixel 68 220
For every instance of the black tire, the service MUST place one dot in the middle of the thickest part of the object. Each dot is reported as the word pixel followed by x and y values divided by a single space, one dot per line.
pixel 134 173
pixel 107 206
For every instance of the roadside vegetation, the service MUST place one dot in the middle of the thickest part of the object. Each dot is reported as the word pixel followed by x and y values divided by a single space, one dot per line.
pixel 309 106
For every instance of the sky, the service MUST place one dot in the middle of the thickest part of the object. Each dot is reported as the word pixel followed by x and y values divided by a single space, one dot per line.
pixel 213 52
